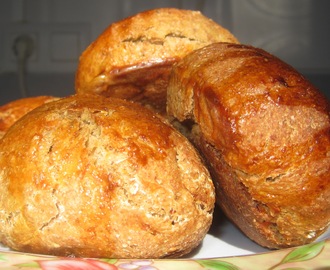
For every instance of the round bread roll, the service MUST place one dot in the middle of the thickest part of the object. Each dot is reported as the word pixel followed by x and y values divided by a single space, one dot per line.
pixel 14 110
pixel 264 131
pixel 96 177
pixel 133 57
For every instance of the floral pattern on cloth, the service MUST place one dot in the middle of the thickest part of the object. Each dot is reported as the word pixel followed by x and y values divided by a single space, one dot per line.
pixel 311 256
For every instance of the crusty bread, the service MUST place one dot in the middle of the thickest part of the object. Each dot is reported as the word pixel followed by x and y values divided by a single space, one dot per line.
pixel 264 131
pixel 133 57
pixel 98 177
pixel 12 111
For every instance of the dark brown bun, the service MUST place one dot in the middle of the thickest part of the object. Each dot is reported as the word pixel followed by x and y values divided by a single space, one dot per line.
pixel 133 57
pixel 264 130
pixel 14 110
pixel 96 177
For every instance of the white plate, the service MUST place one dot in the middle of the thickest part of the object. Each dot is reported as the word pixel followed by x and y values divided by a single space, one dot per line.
pixel 225 240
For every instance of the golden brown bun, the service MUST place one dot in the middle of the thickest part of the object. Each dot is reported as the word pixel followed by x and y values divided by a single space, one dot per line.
pixel 101 178
pixel 12 111
pixel 133 57
pixel 264 130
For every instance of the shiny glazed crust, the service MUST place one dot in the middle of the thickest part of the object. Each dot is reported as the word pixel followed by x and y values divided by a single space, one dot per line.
pixel 97 177
pixel 133 57
pixel 264 131
pixel 12 111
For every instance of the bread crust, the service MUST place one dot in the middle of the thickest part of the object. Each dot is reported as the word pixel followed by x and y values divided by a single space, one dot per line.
pixel 133 57
pixel 264 130
pixel 94 177
pixel 14 110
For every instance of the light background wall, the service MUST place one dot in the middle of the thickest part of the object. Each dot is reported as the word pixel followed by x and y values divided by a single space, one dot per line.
pixel 295 30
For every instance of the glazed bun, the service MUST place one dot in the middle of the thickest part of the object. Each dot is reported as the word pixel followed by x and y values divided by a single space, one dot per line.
pixel 14 110
pixel 133 57
pixel 98 177
pixel 265 133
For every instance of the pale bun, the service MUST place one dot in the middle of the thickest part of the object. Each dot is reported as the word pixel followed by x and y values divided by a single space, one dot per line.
pixel 96 177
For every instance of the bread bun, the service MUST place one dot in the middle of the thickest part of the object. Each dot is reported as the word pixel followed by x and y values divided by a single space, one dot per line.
pixel 133 57
pixel 264 131
pixel 12 111
pixel 96 177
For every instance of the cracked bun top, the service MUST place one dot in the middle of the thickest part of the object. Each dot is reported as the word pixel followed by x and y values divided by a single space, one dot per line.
pixel 98 177
pixel 133 57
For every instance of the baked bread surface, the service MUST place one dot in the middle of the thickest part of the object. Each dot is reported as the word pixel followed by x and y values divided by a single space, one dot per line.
pixel 133 57
pixel 264 131
pixel 97 177
pixel 12 111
